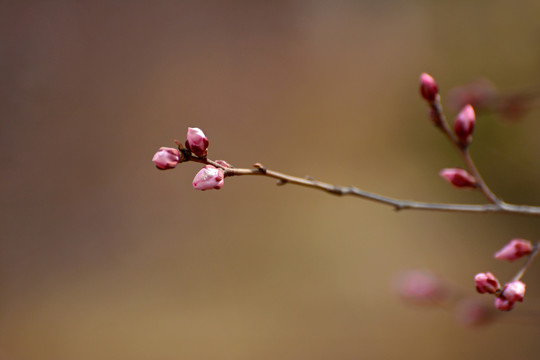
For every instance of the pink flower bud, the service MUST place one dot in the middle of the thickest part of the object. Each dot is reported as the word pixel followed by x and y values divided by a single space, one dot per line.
pixel 166 158
pixel 197 142
pixel 503 304
pixel 428 87
pixel 458 177
pixel 515 249
pixel 513 291
pixel 486 283
pixel 208 178
pixel 471 312
pixel 464 124
pixel 480 93
pixel 421 288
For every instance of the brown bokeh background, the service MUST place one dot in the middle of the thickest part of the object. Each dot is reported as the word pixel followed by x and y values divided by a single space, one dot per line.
pixel 104 257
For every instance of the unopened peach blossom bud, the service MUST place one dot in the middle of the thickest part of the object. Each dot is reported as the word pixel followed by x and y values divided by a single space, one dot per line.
pixel 515 249
pixel 208 178
pixel 503 304
pixel 486 283
pixel 464 124
pixel 472 312
pixel 458 177
pixel 166 158
pixel 197 142
pixel 428 87
pixel 421 287
pixel 513 291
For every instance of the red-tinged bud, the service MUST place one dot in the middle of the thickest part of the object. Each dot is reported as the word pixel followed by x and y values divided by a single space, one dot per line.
pixel 428 87
pixel 513 291
pixel 421 288
pixel 208 178
pixel 458 177
pixel 503 304
pixel 471 312
pixel 166 158
pixel 464 124
pixel 486 283
pixel 515 249
pixel 197 142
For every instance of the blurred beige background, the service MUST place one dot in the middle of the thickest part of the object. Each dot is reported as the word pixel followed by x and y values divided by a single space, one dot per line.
pixel 104 257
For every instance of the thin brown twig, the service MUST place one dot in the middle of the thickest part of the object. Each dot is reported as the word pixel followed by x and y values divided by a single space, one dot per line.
pixel 397 204
pixel 463 149
pixel 525 267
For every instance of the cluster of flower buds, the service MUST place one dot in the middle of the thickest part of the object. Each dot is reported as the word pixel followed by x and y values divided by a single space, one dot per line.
pixel 463 129
pixel 209 177
pixel 513 291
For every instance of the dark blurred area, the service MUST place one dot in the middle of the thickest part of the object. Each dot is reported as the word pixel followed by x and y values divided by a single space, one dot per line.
pixel 104 257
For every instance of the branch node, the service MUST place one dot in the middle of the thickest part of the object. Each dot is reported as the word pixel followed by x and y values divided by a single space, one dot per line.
pixel 260 168
pixel 336 190
pixel 185 153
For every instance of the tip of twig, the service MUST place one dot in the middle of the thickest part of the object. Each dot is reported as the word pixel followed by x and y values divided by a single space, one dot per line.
pixel 180 146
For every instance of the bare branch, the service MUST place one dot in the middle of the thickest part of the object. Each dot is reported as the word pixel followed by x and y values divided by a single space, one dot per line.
pixel 397 204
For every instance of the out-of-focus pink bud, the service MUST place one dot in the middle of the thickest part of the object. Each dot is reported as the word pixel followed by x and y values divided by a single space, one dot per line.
pixel 458 177
pixel 486 283
pixel 471 312
pixel 166 158
pixel 421 287
pixel 428 87
pixel 208 178
pixel 515 249
pixel 197 142
pixel 513 291
pixel 503 304
pixel 513 107
pixel 464 124
pixel 480 93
